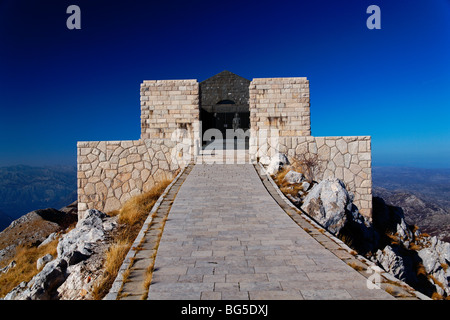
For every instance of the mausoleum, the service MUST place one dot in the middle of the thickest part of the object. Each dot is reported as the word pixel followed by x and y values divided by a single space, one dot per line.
pixel 180 120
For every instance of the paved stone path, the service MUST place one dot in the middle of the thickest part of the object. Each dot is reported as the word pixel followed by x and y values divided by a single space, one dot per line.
pixel 227 238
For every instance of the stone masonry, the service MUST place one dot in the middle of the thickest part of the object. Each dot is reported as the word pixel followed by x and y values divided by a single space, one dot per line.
pixel 280 103
pixel 110 172
pixel 167 105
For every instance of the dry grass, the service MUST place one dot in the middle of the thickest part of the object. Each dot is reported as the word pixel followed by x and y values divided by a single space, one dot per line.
pixel 436 296
pixel 286 187
pixel 414 246
pixel 421 270
pixel 347 239
pixel 25 269
pixel 436 281
pixel 292 190
pixel 393 238
pixel 309 164
pixel 279 177
pixel 132 216
pixel 391 290
pixel 356 266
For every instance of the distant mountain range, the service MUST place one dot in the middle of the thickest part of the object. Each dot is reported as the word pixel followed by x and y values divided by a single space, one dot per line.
pixel 423 194
pixel 25 188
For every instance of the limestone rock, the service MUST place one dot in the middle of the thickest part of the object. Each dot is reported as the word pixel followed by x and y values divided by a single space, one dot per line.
pixel 49 239
pixel 43 261
pixel 434 258
pixel 74 247
pixel 11 265
pixel 392 262
pixel 43 285
pixel 278 161
pixel 77 245
pixel 328 203
pixel 293 177
pixel 305 186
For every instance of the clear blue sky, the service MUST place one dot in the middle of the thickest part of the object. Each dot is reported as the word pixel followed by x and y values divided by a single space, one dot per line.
pixel 59 86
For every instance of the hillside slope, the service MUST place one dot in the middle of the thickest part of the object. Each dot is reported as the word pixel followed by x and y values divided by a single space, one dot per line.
pixel 429 216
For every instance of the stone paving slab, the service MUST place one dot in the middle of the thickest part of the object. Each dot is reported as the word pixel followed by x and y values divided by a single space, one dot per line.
pixel 227 238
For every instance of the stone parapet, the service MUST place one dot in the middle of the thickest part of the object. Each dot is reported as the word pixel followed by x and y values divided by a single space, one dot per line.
pixel 111 172
pixel 346 158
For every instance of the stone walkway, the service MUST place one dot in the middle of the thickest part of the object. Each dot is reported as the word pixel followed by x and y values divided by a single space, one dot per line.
pixel 227 238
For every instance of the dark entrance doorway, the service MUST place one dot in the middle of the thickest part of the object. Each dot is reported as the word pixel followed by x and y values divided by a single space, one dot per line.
pixel 224 107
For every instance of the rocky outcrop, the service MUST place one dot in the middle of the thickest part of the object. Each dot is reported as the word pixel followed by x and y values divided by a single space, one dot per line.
pixel 34 228
pixel 75 247
pixel 392 261
pixel 430 214
pixel 388 240
pixel 435 258
pixel 329 204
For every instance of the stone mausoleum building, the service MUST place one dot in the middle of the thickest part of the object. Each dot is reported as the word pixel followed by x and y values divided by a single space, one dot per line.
pixel 182 121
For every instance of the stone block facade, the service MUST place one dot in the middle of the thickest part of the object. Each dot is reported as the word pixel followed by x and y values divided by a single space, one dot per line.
pixel 280 103
pixel 167 105
pixel 110 172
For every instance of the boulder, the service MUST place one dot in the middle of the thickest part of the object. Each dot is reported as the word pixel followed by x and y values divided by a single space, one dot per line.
pixel 41 262
pixel 329 203
pixel 305 186
pixel 43 285
pixel 265 160
pixel 278 161
pixel 77 245
pixel 293 177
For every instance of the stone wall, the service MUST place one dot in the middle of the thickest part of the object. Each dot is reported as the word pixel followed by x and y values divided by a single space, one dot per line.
pixel 111 172
pixel 280 103
pixel 346 158
pixel 167 105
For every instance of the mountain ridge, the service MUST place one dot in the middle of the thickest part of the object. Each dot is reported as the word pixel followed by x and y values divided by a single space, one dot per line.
pixel 25 188
pixel 423 195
